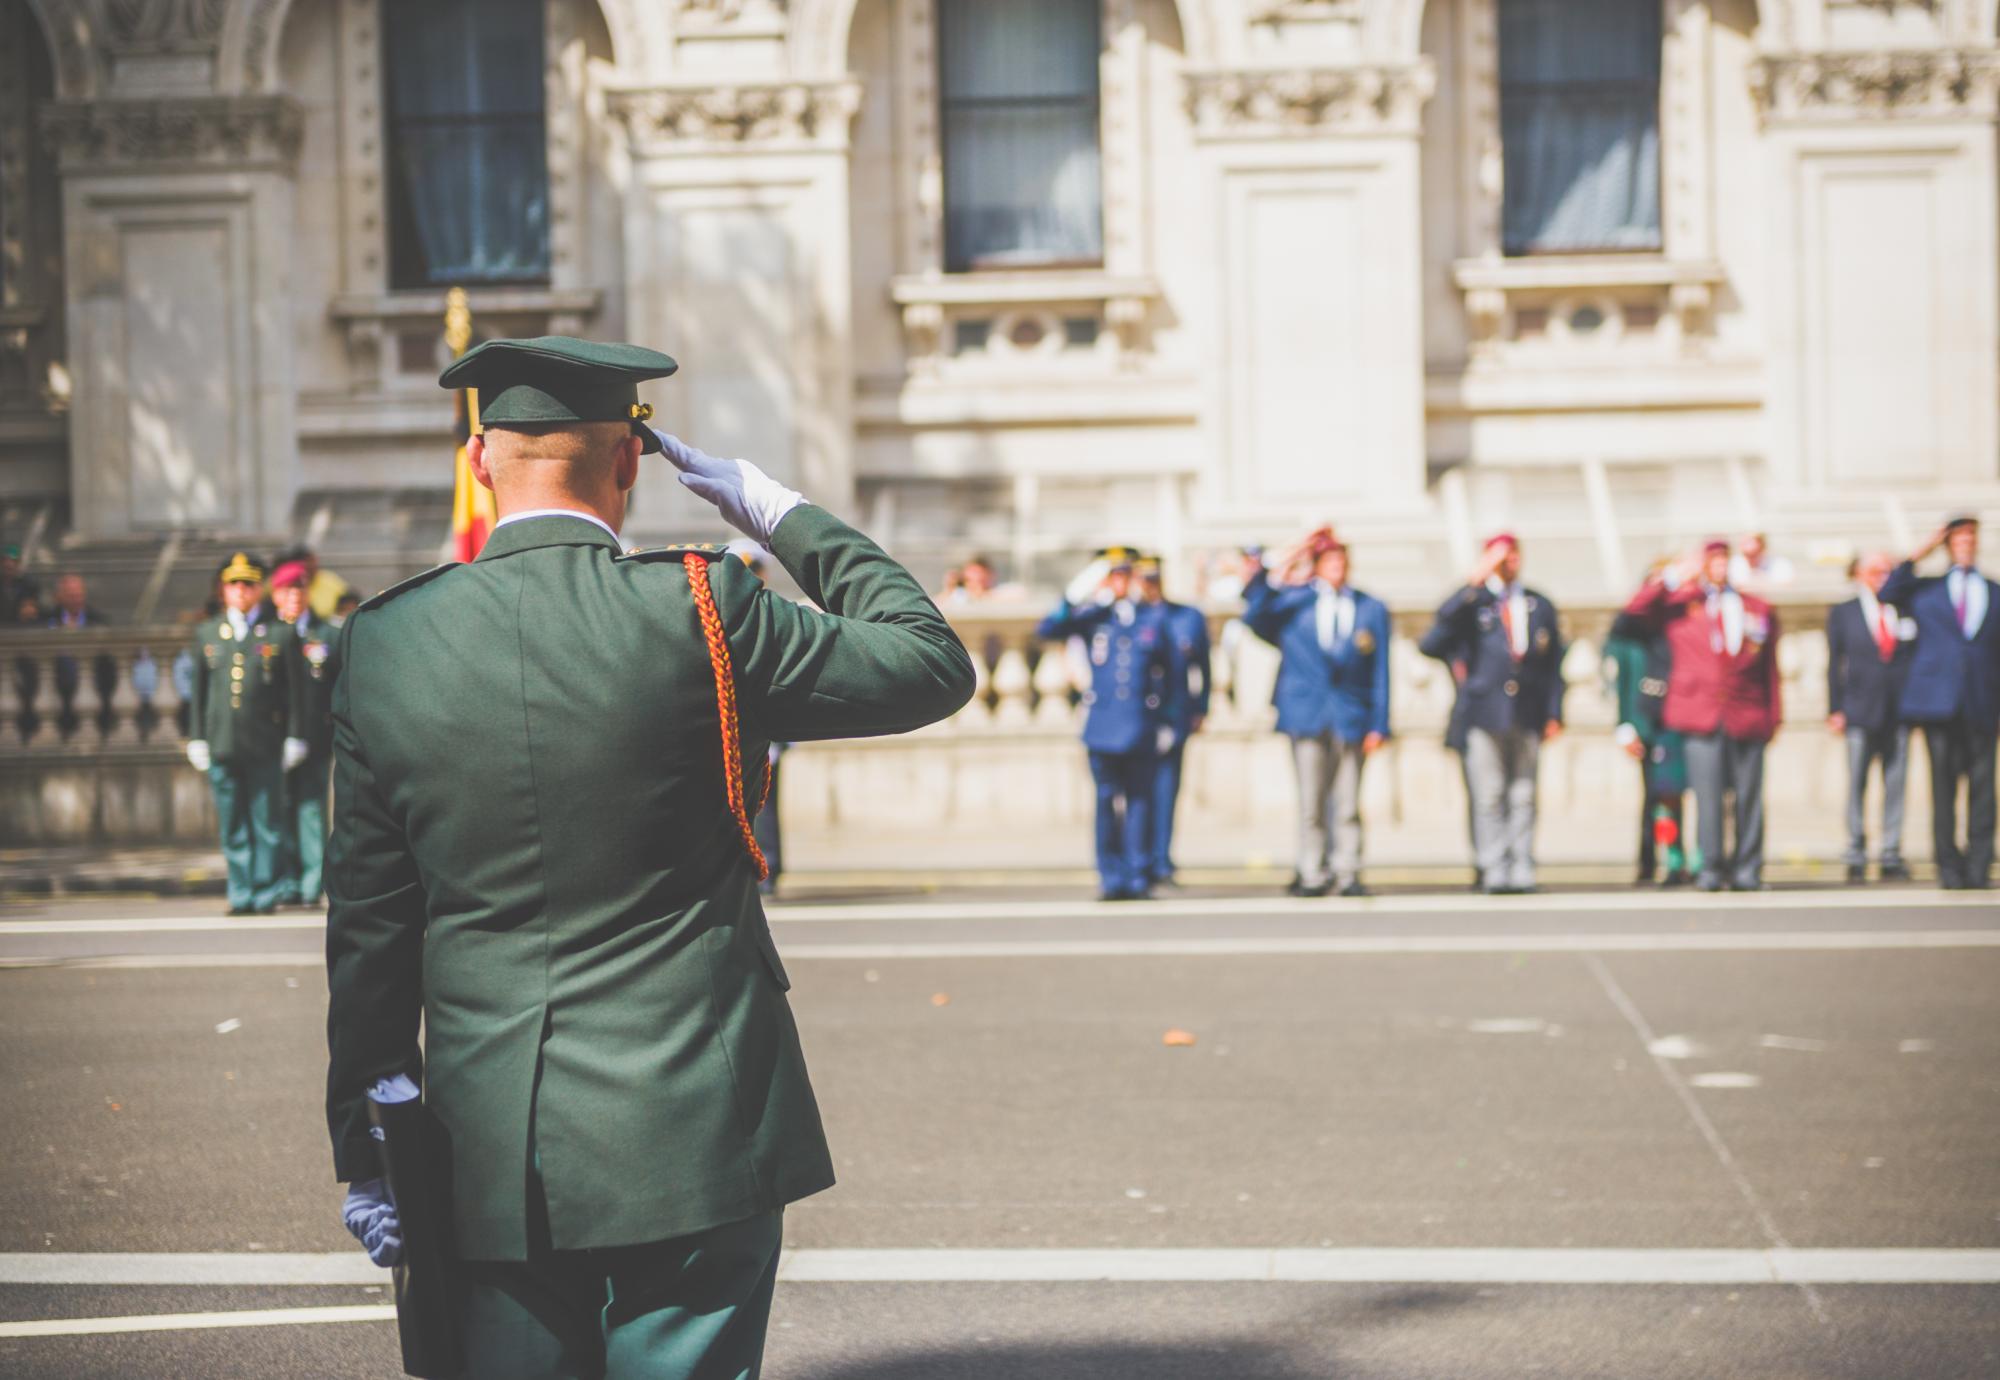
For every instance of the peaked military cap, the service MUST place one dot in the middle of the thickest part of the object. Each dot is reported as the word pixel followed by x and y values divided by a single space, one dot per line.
pixel 1958 520
pixel 550 380
pixel 1120 557
pixel 242 570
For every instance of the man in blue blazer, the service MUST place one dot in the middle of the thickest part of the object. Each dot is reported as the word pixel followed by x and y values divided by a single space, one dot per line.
pixel 1953 693
pixel 1333 703
pixel 1869 648
pixel 1183 708
pixel 1123 729
pixel 1509 639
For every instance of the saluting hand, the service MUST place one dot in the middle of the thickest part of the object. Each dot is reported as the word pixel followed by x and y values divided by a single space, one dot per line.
pixel 749 500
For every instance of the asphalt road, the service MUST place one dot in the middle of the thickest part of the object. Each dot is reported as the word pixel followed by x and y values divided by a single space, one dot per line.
pixel 1627 1074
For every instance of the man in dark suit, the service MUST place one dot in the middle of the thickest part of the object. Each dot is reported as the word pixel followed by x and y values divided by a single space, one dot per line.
pixel 545 766
pixel 1869 647
pixel 1722 692
pixel 1953 692
pixel 1183 707
pixel 1333 703
pixel 1509 639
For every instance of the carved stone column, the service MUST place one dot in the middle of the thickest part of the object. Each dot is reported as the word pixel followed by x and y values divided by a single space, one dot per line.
pixel 1318 361
pixel 177 219
pixel 738 265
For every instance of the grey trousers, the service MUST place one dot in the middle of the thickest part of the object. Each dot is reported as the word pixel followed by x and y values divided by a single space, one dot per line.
pixel 1500 770
pixel 1329 773
pixel 1864 746
pixel 1717 765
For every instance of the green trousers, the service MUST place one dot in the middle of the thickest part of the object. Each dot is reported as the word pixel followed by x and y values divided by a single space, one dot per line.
pixel 305 829
pixel 691 1308
pixel 249 805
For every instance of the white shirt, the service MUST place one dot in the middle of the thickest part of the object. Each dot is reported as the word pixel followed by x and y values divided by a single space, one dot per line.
pixel 1970 586
pixel 555 512
pixel 1727 603
pixel 1333 614
pixel 1872 612
pixel 1517 612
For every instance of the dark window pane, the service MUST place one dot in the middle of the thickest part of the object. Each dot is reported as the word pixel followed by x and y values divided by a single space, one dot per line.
pixel 467 157
pixel 1580 124
pixel 1018 85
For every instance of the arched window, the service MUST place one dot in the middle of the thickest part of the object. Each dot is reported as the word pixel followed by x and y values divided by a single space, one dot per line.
pixel 1580 125
pixel 1018 96
pixel 466 141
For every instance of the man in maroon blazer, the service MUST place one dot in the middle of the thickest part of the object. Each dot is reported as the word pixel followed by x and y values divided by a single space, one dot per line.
pixel 1722 693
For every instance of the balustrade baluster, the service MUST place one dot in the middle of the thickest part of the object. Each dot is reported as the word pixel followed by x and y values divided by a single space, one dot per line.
pixel 1012 685
pixel 1052 682
pixel 46 708
pixel 123 707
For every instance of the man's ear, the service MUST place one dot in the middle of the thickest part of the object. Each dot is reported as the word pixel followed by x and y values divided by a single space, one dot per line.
pixel 475 456
pixel 627 469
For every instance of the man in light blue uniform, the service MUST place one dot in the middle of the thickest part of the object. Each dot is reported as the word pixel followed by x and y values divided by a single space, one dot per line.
pixel 1333 703
pixel 1123 729
pixel 1183 708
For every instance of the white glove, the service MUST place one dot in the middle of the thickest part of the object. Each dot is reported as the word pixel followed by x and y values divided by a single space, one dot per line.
pixel 750 500
pixel 1085 586
pixel 197 751
pixel 296 752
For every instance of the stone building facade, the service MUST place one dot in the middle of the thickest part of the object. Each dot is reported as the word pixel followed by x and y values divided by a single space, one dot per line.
pixel 1021 278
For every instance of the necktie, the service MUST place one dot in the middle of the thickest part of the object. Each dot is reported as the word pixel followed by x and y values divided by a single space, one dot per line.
pixel 1885 634
pixel 1958 598
pixel 1507 622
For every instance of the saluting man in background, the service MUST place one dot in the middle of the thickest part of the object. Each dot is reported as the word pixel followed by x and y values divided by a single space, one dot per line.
pixel 303 818
pixel 545 767
pixel 1509 640
pixel 246 729
pixel 1124 729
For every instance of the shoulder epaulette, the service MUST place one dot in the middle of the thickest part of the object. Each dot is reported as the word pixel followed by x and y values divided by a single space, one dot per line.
pixel 377 600
pixel 680 551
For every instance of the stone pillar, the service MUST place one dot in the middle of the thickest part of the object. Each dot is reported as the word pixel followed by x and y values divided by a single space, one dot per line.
pixel 1885 329
pixel 177 222
pixel 737 265
pixel 1318 376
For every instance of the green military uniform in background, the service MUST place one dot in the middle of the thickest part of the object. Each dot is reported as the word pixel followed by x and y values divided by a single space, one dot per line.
pixel 247 701
pixel 307 785
pixel 533 850
pixel 1640 665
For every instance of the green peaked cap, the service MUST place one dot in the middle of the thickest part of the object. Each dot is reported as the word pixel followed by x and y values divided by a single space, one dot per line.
pixel 552 379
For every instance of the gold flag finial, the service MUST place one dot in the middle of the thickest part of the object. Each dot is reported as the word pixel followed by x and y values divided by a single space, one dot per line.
pixel 457 322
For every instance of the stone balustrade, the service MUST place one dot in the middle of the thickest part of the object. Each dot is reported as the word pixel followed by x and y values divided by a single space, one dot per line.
pixel 91 738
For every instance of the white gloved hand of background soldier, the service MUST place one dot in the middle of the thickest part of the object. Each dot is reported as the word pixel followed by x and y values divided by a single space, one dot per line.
pixel 197 752
pixel 1088 581
pixel 750 501
pixel 296 751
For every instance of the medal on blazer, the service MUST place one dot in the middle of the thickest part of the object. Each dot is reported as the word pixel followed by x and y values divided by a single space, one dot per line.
pixel 1542 639
pixel 1364 641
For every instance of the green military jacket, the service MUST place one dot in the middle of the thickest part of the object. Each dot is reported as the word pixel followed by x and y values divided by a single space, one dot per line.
pixel 532 848
pixel 248 691
pixel 319 667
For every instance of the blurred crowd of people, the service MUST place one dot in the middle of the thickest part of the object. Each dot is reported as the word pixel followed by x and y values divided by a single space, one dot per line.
pixel 1693 661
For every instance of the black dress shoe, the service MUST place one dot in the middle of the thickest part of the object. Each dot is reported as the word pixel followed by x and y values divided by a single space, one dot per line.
pixel 1746 886
pixel 1678 877
pixel 1355 888
pixel 1894 872
pixel 1317 890
pixel 1708 884
pixel 241 910
pixel 1856 874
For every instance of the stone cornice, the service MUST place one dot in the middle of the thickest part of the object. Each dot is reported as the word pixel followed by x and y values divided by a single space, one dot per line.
pixel 1263 102
pixel 778 114
pixel 1948 83
pixel 228 131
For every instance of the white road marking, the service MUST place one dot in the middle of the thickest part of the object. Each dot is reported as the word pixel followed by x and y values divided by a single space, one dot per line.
pixel 1673 1047
pixel 1359 1265
pixel 1672 1076
pixel 1725 1080
pixel 187 1322
pixel 1791 941
pixel 1566 902
pixel 1507 1025
pixel 1802 1045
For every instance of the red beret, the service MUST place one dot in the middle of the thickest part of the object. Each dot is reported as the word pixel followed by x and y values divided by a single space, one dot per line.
pixel 1324 541
pixel 1713 545
pixel 290 573
pixel 1502 539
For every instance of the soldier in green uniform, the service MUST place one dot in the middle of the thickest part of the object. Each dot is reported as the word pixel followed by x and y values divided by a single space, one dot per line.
pixel 246 726
pixel 303 818
pixel 545 767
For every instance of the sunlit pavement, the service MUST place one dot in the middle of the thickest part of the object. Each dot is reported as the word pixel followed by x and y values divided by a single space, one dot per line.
pixel 1618 1134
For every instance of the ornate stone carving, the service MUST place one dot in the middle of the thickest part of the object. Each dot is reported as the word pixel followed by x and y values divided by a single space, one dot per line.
pixel 164 25
pixel 1878 85
pixel 222 129
pixel 716 12
pixel 751 113
pixel 1278 101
